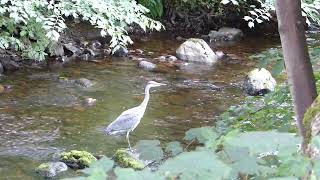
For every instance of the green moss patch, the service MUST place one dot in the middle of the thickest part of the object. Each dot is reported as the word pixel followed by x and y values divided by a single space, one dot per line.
pixel 124 159
pixel 77 159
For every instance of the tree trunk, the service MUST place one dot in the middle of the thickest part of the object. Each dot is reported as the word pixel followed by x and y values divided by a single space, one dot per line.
pixel 296 57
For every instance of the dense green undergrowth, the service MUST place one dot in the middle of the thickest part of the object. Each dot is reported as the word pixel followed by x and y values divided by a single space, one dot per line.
pixel 34 27
pixel 253 11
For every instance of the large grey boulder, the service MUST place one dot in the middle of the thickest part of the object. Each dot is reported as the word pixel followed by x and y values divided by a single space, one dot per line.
pixel 259 82
pixel 226 34
pixel 196 50
pixel 51 169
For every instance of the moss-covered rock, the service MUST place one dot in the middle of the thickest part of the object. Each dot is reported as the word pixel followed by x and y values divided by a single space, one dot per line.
pixel 126 160
pixel 51 169
pixel 77 159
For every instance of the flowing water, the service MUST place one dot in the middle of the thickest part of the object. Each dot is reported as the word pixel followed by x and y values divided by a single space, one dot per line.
pixel 41 116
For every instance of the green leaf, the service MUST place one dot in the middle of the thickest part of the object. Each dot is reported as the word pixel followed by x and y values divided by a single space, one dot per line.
pixel 174 148
pixel 284 178
pixel 277 68
pixel 316 169
pixel 75 178
pixel 204 135
pixel 104 164
pixel 149 149
pixel 98 174
pixel 297 166
pixel 264 142
pixel 130 174
pixel 242 162
pixel 195 165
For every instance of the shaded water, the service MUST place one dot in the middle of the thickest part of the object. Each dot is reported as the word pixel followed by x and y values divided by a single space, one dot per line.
pixel 42 116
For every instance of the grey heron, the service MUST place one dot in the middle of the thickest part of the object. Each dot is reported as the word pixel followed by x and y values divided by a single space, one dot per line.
pixel 130 119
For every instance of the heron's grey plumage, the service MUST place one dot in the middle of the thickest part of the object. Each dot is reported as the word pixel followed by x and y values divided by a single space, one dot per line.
pixel 126 121
pixel 130 119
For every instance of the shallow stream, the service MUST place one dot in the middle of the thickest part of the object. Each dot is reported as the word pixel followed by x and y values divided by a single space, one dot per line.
pixel 41 116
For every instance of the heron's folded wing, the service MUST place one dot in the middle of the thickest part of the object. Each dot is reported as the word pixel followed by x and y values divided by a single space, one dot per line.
pixel 124 122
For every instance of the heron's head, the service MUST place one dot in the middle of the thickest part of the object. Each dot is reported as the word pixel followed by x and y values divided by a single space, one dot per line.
pixel 154 84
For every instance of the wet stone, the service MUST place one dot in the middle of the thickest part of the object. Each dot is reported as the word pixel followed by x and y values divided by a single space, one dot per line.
pixel 147 65
pixel 83 82
pixel 121 52
pixel 51 169
pixel 226 34
pixel 72 48
pixel 126 159
pixel 77 159
pixel 259 82
pixel 196 50
pixel 8 64
pixel 94 45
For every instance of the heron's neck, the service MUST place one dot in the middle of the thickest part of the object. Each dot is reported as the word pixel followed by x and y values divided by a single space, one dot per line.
pixel 146 97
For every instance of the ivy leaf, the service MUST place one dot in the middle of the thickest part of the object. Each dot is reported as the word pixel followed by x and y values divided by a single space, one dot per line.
pixel 204 135
pixel 195 165
pixel 262 142
pixel 242 162
pixel 97 174
pixel 149 149
pixel 284 178
pixel 104 164
pixel 130 174
pixel 316 169
pixel 174 148
pixel 296 165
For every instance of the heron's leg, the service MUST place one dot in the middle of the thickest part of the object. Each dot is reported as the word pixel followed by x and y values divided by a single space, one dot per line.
pixel 128 140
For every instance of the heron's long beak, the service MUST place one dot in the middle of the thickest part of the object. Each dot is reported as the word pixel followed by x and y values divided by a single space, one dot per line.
pixel 162 84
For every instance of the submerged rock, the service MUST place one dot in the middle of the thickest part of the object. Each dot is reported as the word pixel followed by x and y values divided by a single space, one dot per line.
pixel 84 82
pixel 259 82
pixel 149 66
pixel 77 159
pixel 126 160
pixel 51 169
pixel 226 34
pixel 196 50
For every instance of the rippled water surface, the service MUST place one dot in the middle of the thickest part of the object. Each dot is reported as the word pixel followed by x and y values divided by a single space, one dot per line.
pixel 42 115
